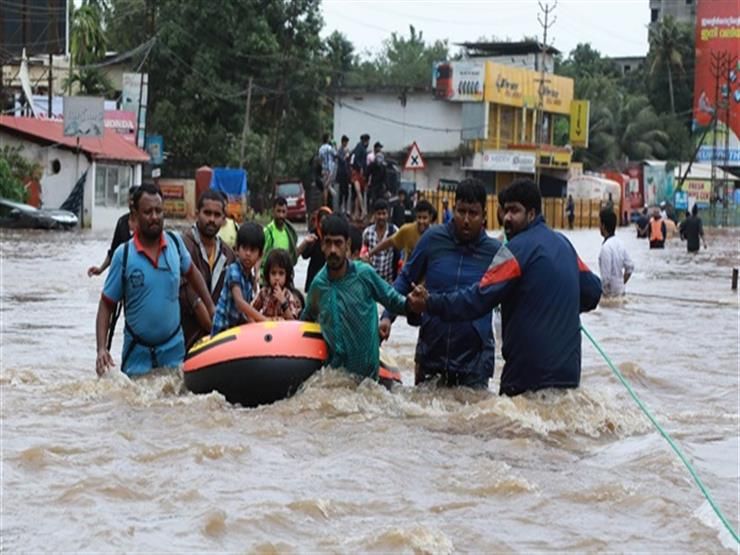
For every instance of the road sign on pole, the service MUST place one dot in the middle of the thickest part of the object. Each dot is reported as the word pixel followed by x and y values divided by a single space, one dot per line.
pixel 414 161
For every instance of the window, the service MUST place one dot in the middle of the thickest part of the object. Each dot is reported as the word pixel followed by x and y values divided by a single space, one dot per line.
pixel 654 15
pixel 289 189
pixel 111 185
pixel 689 2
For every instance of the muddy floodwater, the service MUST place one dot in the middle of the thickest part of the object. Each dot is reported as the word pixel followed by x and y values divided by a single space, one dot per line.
pixel 112 464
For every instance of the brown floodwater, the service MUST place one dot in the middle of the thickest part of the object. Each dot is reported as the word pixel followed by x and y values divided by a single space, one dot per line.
pixel 112 464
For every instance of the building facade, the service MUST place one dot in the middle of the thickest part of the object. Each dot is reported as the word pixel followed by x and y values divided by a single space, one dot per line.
pixel 112 165
pixel 398 120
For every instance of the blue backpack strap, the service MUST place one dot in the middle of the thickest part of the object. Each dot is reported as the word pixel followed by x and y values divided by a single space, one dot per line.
pixel 173 237
pixel 136 339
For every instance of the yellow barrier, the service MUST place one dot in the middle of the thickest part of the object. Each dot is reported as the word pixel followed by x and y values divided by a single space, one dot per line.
pixel 553 210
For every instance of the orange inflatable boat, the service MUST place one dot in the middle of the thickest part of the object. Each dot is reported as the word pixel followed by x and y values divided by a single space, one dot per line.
pixel 261 363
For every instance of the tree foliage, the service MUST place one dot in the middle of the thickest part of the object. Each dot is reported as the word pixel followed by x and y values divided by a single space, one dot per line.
pixel 14 171
pixel 403 62
pixel 199 74
pixel 631 115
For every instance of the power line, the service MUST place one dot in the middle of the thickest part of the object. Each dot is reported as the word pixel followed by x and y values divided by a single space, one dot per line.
pixel 23 8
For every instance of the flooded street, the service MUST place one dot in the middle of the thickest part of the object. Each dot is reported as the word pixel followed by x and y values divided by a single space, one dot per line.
pixel 109 464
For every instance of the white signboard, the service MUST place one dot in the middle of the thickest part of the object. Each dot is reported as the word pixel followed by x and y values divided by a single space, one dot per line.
pixel 132 92
pixel 83 116
pixel 134 99
pixel 508 161
pixel 459 81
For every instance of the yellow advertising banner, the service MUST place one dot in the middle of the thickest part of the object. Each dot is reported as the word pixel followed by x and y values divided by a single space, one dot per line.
pixel 506 85
pixel 513 86
pixel 699 189
pixel 557 92
pixel 579 118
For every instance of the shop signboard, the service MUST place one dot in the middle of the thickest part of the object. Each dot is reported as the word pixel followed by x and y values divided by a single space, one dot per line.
pixel 513 86
pixel 508 161
pixel 579 118
pixel 459 81
pixel 699 190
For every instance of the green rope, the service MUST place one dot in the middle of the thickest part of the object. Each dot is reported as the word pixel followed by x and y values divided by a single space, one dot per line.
pixel 667 437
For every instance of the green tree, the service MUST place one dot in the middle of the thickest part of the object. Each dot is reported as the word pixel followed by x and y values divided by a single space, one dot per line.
pixel 90 82
pixel 129 23
pixel 584 61
pixel 666 52
pixel 87 46
pixel 204 56
pixel 404 62
pixel 11 187
pixel 87 38
pixel 14 171
pixel 339 54
pixel 624 128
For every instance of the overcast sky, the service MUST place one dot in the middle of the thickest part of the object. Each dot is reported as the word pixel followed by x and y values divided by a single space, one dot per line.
pixel 614 27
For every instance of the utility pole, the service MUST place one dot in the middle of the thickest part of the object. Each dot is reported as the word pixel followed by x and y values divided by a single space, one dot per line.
pixel 245 129
pixel 718 69
pixel 51 81
pixel 731 63
pixel 546 24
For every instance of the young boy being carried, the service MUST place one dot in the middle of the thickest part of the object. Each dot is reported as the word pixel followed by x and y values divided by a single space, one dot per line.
pixel 233 307
pixel 342 299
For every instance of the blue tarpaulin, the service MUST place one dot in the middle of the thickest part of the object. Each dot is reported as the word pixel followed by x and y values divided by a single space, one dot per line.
pixel 231 182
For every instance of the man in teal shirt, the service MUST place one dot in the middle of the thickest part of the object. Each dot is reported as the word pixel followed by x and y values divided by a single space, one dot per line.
pixel 342 299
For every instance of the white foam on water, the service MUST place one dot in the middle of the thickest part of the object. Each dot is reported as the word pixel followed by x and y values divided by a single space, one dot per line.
pixel 706 515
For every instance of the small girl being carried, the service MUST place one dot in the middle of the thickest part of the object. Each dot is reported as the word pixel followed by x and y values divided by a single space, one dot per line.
pixel 279 299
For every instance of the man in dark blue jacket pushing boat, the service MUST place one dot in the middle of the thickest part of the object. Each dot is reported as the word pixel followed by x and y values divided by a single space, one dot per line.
pixel 542 286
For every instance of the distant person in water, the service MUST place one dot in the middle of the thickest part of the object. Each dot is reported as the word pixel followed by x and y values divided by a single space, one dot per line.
pixel 692 231
pixel 615 264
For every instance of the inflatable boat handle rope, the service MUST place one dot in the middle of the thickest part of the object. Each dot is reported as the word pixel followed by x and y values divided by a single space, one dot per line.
pixel 667 437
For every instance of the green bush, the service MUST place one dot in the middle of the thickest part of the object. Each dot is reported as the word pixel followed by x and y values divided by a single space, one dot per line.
pixel 11 187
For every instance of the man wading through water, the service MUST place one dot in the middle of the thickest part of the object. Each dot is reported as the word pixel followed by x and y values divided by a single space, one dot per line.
pixel 145 275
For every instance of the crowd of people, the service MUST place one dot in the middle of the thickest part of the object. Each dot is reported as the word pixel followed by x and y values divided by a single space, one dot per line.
pixel 446 279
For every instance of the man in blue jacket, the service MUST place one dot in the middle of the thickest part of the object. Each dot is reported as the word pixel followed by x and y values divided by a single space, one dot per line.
pixel 449 258
pixel 542 286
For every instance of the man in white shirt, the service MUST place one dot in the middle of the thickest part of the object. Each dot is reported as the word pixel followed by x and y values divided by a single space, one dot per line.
pixel 615 264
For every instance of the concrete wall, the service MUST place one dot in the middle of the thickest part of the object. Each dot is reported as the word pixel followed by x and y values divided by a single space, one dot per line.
pixel 358 113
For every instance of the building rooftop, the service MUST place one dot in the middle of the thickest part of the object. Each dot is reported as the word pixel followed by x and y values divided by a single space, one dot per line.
pixel 111 146
pixel 505 48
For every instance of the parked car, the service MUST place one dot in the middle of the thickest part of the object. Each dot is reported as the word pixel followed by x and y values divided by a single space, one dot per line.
pixel 18 215
pixel 292 190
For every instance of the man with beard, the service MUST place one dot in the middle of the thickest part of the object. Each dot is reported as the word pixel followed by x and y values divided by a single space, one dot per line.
pixel 342 299
pixel 145 275
pixel 542 286
pixel 449 258
pixel 211 256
